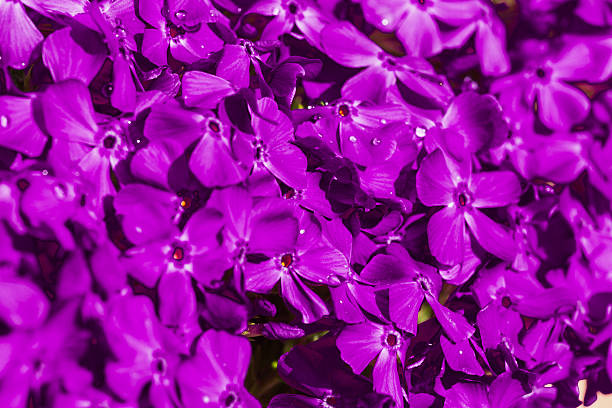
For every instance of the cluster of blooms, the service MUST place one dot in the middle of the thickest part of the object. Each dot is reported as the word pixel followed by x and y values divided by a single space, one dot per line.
pixel 300 203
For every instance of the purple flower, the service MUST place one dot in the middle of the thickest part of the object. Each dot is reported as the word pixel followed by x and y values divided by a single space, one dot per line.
pixel 545 80
pixel 144 351
pixel 91 147
pixel 304 14
pixel 336 386
pixel 349 47
pixel 214 376
pixel 440 182
pixel 272 147
pixel 18 130
pixel 415 22
pixel 304 258
pixel 182 26
pixel 361 343
pixel 407 279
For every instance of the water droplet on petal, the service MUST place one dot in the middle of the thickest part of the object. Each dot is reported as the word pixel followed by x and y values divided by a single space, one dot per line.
pixel 276 11
pixel 45 172
pixel 376 141
pixel 383 121
pixel 420 132
pixel 119 32
pixel 352 139
pixel 60 191
pixel 180 15
pixel 385 22
pixel 4 121
pixel 333 280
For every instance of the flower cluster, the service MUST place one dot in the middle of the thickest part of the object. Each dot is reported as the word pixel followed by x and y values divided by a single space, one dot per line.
pixel 305 203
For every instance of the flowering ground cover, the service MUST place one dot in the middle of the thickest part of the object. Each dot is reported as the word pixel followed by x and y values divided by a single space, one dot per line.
pixel 301 203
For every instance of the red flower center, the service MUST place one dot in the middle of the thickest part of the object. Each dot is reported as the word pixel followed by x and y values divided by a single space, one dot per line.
pixel 462 200
pixel 109 142
pixel 343 110
pixel 286 260
pixel 506 302
pixel 178 254
pixel 391 339
pixel 214 126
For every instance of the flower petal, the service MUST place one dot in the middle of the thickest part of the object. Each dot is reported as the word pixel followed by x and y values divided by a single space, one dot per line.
pixel 18 130
pixel 302 298
pixel 386 377
pixel 212 163
pixel 434 182
pixel 561 105
pixel 261 277
pixel 177 302
pixel 445 233
pixel 359 344
pixel 234 66
pixel 494 189
pixel 22 304
pixel 69 113
pixel 454 324
pixel 323 265
pixel 18 34
pixel 348 46
pixel 67 60
pixel 491 236
pixel 460 356
pixel 404 304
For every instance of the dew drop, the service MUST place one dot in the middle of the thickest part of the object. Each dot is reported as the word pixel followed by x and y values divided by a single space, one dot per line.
pixel 276 11
pixel 383 121
pixel 385 22
pixel 120 32
pixel 4 121
pixel 5 192
pixel 45 172
pixel 420 132
pixel 352 139
pixel 333 280
pixel 180 15
pixel 60 191
pixel 376 141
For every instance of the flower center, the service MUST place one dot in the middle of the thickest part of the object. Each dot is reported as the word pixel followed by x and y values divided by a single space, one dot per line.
pixel 230 399
pixel 462 200
pixel 186 203
pixel 331 401
pixel 540 73
pixel 293 8
pixel 178 254
pixel 343 110
pixel 506 302
pixel 391 339
pixel 109 142
pixel 286 260
pixel 214 126
pixel 159 365
pixel 175 31
pixel 22 184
